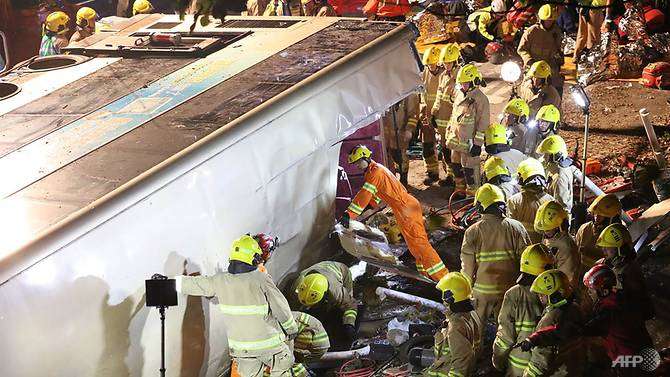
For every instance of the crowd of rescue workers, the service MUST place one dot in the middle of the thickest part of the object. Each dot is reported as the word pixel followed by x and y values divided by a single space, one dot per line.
pixel 557 299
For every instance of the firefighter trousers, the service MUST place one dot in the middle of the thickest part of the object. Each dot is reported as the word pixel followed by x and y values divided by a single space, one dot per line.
pixel 487 306
pixel 429 139
pixel 466 171
pixel 276 365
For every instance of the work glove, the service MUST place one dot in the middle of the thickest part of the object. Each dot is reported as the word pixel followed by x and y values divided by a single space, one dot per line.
pixel 344 220
pixel 525 345
pixel 350 331
pixel 475 150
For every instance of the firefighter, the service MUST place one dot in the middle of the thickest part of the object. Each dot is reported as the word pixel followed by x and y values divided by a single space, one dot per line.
pixel 278 8
pixel 317 8
pixel 556 344
pixel 403 116
pixel 615 242
pixel 480 22
pixel 497 144
pixel 387 10
pixel 560 169
pixel 457 342
pixel 551 221
pixel 590 25
pixel 380 184
pixel 432 73
pixel 605 210
pixel 523 205
pixel 545 124
pixel 55 28
pixel 617 321
pixel 142 7
pixel 469 119
pixel 497 174
pixel 441 110
pixel 519 313
pixel 515 116
pixel 491 251
pixel 537 90
pixel 256 7
pixel 85 24
pixel 257 316
pixel 543 41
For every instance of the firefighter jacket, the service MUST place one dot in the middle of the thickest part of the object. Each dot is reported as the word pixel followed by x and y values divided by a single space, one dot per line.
pixel 586 238
pixel 478 23
pixel 561 184
pixel 630 282
pixel 340 293
pixel 444 101
pixel 520 311
pixel 387 8
pixel 523 206
pixel 406 119
pixel 312 341
pixel 546 95
pixel 470 118
pixel 491 252
pixel 456 346
pixel 558 348
pixel 566 257
pixel 538 43
pixel 256 315
pixel 431 85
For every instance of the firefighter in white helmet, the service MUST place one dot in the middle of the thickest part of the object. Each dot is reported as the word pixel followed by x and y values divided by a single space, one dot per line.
pixel 523 205
pixel 258 320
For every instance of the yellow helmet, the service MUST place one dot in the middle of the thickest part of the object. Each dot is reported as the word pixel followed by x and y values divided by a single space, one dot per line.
pixel 450 53
pixel 488 194
pixel 359 151
pixel 86 17
pixel 549 113
pixel 615 235
pixel 529 168
pixel 550 282
pixel 431 55
pixel 553 145
pixel 56 22
pixel 311 289
pixel 142 7
pixel 540 70
pixel 303 2
pixel 245 249
pixel 455 287
pixel 606 205
pixel 468 73
pixel 549 216
pixel 517 107
pixel 496 133
pixel 536 259
pixel 547 13
pixel 494 167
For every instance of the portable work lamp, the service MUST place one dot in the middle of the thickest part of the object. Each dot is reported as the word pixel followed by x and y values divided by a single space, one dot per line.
pixel 580 98
pixel 510 72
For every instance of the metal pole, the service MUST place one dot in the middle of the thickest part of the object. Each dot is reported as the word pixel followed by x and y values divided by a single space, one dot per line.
pixel 397 138
pixel 584 156
pixel 161 310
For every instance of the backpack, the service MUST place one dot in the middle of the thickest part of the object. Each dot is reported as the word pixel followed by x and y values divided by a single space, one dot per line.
pixel 656 75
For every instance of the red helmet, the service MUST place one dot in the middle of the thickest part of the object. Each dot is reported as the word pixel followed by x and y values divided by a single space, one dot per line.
pixel 267 243
pixel 600 277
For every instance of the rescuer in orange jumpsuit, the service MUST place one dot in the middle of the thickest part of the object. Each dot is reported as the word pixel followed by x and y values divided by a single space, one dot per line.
pixel 380 184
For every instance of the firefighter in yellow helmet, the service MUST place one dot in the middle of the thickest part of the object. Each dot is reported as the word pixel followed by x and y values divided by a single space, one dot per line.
pixel 546 123
pixel 551 221
pixel 605 210
pixel 561 172
pixel 520 311
pixel 441 111
pixel 85 24
pixel 469 119
pixel 257 317
pixel 523 205
pixel 432 73
pixel 55 28
pixel 457 342
pixel 481 24
pixel 556 346
pixel 616 243
pixel 327 285
pixel 142 7
pixel 543 41
pixel 590 24
pixel 498 144
pixel 497 174
pixel 515 117
pixel 317 8
pixel 491 251
pixel 398 125
pixel 537 90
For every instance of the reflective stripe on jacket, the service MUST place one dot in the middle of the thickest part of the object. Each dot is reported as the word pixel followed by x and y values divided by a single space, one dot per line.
pixel 523 207
pixel 456 346
pixel 312 340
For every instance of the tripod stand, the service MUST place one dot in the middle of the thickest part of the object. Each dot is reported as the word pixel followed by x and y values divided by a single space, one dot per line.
pixel 161 311
pixel 161 293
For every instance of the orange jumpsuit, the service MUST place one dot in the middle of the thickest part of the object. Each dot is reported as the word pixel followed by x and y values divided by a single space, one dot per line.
pixel 380 184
